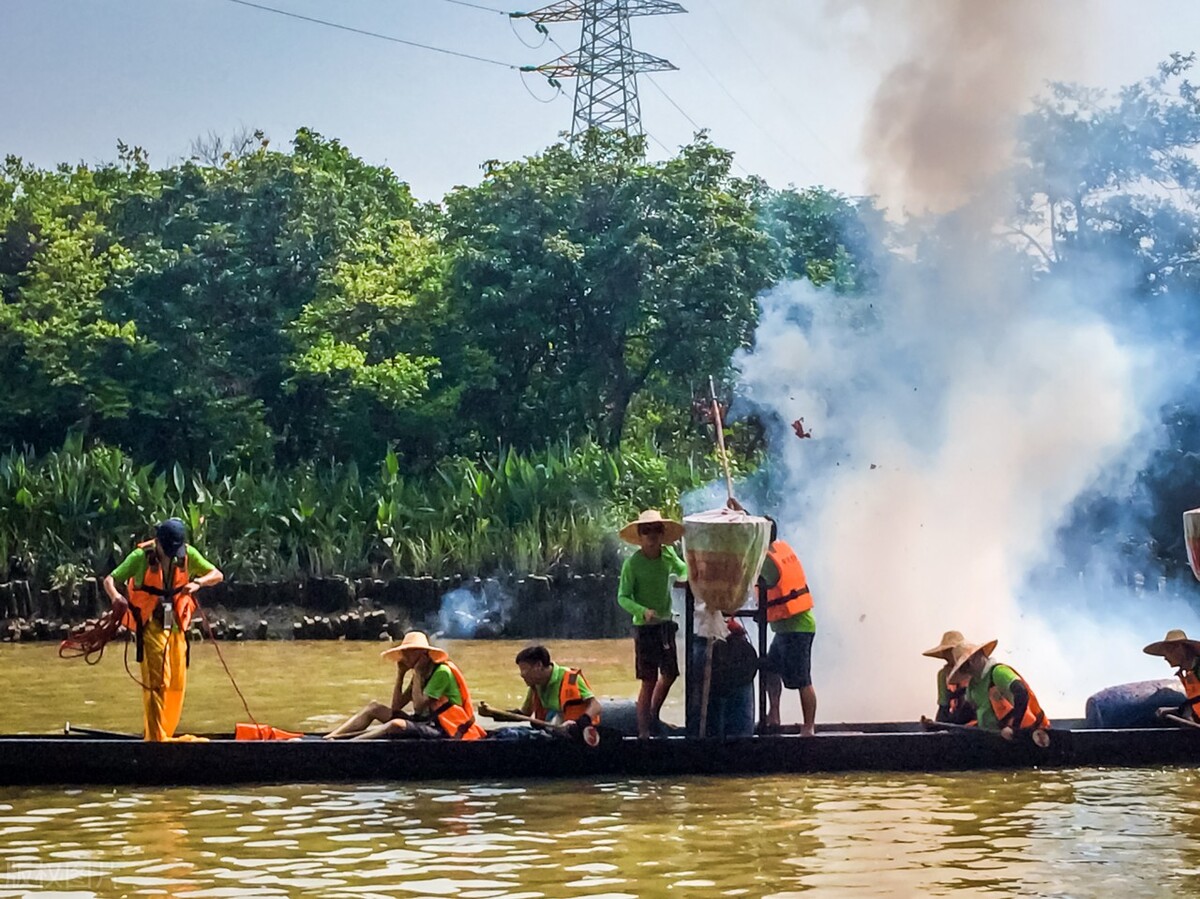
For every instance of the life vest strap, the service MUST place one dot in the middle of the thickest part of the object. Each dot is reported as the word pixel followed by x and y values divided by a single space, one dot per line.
pixel 788 597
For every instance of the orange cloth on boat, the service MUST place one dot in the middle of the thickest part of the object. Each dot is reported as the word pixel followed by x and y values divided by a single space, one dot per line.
pixel 263 732
pixel 164 680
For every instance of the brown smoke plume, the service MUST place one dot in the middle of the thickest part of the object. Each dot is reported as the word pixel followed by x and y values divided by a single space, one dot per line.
pixel 941 123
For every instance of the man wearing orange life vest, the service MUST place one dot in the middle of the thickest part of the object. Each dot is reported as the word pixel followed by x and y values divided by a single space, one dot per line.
pixel 439 695
pixel 951 697
pixel 556 694
pixel 783 586
pixel 1001 699
pixel 158 577
pixel 1183 655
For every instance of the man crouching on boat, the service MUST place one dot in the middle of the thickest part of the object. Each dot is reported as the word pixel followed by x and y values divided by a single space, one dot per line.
pixel 1002 701
pixel 158 611
pixel 440 699
pixel 1184 656
pixel 557 694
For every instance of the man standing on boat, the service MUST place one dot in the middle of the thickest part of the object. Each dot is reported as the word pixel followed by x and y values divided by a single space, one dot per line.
pixel 158 577
pixel 439 695
pixel 1184 656
pixel 557 694
pixel 1002 701
pixel 644 592
pixel 783 586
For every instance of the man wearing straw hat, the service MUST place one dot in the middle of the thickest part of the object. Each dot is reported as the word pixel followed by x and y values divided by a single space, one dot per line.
pixel 644 592
pixel 951 698
pixel 1002 701
pixel 440 699
pixel 1183 655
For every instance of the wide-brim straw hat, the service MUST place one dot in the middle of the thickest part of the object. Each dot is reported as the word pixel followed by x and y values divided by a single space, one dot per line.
pixel 1174 637
pixel 965 652
pixel 672 530
pixel 950 640
pixel 415 640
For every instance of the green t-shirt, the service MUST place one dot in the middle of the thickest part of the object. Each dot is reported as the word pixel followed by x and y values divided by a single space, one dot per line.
pixel 133 566
pixel 644 584
pixel 800 623
pixel 549 694
pixel 942 687
pixel 1000 676
pixel 442 685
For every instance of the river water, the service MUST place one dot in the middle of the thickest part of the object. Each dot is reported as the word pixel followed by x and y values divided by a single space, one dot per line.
pixel 1065 834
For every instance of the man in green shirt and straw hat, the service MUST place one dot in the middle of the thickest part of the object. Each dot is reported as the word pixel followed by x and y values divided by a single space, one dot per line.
pixel 645 592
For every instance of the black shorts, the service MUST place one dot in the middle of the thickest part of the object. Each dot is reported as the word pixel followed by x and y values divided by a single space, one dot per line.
pixel 420 730
pixel 790 656
pixel 654 650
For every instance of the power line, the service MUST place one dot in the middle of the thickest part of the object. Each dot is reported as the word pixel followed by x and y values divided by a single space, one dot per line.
pixel 732 32
pixel 385 37
pixel 499 12
pixel 738 103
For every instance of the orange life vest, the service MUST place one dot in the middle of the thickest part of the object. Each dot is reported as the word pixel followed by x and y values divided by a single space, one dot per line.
pixel 146 598
pixel 790 595
pixel 1034 716
pixel 571 703
pixel 1191 688
pixel 956 694
pixel 458 721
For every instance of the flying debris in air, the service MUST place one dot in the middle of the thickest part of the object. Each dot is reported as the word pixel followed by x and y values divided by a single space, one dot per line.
pixel 798 427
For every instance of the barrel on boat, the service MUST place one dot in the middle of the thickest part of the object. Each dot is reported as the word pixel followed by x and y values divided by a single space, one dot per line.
pixel 1132 705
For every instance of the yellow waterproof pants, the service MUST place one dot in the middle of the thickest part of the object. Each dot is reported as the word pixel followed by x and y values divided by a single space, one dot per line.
pixel 164 678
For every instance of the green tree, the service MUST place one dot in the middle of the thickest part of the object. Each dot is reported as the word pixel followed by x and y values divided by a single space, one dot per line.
pixel 588 275
pixel 824 237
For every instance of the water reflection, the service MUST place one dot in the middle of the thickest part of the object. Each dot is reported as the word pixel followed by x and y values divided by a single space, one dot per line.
pixel 1083 833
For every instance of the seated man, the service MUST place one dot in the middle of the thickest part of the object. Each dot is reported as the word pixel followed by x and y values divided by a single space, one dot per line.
pixel 438 692
pixel 1184 656
pixel 1002 701
pixel 557 694
pixel 951 698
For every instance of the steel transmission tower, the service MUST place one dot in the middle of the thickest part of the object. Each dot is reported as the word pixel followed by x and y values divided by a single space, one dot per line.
pixel 606 65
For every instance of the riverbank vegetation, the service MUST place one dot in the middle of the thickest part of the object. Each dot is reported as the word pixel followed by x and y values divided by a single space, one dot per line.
pixel 321 374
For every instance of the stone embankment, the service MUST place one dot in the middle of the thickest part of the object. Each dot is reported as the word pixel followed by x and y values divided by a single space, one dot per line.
pixel 563 606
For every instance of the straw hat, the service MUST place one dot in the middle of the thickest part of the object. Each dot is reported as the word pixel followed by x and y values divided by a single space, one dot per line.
pixel 672 530
pixel 950 640
pixel 1173 638
pixel 965 652
pixel 415 640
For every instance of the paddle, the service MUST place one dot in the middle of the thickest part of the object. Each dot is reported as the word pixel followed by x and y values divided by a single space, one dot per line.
pixel 590 735
pixel 1178 721
pixel 1040 737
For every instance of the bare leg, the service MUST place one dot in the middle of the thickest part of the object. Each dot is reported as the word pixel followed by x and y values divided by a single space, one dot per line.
pixel 379 731
pixel 661 688
pixel 774 685
pixel 808 705
pixel 371 713
pixel 644 715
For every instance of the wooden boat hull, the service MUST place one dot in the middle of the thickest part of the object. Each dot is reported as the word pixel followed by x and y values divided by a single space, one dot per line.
pixel 74 760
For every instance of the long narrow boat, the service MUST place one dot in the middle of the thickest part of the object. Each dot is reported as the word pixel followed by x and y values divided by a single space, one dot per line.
pixel 80 760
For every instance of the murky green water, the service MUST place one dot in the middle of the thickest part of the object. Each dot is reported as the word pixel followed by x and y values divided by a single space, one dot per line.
pixel 1066 834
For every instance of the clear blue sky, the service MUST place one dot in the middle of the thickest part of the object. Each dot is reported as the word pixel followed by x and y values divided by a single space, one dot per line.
pixel 784 83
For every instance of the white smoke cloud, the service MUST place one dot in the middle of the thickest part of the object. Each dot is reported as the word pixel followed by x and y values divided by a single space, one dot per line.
pixel 947 451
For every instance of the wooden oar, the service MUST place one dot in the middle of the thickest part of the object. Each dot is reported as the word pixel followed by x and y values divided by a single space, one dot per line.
pixel 590 735
pixel 1178 721
pixel 1040 737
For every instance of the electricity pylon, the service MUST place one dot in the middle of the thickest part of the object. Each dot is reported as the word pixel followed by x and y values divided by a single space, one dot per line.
pixel 606 65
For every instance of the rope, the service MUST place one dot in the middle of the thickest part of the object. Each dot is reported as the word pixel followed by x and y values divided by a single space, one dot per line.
pixel 217 646
pixel 89 643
